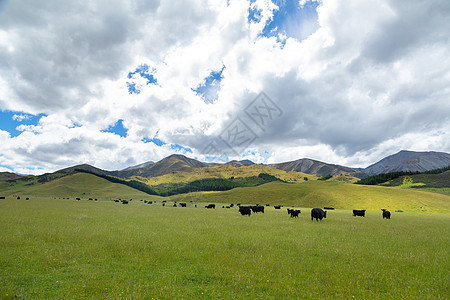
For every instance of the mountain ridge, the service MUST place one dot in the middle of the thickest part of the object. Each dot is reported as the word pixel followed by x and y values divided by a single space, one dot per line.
pixel 409 161
pixel 402 161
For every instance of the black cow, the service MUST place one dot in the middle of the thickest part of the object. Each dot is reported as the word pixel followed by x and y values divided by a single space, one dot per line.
pixel 27 198
pixel 329 208
pixel 386 214
pixel 124 202
pixel 2 198
pixel 294 213
pixel 277 207
pixel 182 204
pixel 318 214
pixel 257 208
pixel 210 206
pixel 18 198
pixel 359 213
pixel 231 205
pixel 245 210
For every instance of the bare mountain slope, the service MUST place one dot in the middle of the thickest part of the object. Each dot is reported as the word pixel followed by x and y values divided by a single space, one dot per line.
pixel 409 161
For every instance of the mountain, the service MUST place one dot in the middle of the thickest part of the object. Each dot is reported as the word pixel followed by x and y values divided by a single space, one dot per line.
pixel 139 166
pixel 402 161
pixel 240 163
pixel 88 168
pixel 311 166
pixel 4 176
pixel 409 161
pixel 172 163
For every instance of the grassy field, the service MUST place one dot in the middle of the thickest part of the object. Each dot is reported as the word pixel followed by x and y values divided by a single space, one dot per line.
pixel 67 249
pixel 334 194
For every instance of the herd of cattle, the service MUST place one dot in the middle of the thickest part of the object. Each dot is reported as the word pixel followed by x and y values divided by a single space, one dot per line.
pixel 316 213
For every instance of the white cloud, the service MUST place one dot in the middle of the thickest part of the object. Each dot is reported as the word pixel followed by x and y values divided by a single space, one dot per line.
pixel 372 80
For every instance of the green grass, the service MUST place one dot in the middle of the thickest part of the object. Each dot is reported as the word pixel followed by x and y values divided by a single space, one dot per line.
pixel 66 249
pixel 224 171
pixel 75 185
pixel 334 194
pixel 441 180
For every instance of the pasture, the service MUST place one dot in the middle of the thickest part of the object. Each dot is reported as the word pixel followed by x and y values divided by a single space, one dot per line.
pixel 54 248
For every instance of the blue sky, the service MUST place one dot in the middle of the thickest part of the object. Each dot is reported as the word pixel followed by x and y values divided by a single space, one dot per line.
pixel 146 79
pixel 10 121
pixel 210 86
pixel 291 19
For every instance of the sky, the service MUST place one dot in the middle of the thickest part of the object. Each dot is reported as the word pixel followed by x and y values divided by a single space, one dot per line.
pixel 118 83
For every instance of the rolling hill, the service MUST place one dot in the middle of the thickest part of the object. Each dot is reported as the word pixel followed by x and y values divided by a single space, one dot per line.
pixel 334 194
pixel 5 176
pixel 76 185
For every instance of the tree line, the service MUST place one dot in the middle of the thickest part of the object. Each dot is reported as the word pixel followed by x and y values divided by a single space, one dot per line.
pixel 200 185
pixel 381 178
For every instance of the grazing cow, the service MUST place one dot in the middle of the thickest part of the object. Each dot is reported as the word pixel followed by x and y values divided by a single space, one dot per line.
pixel 294 213
pixel 116 201
pixel 245 210
pixel 164 204
pixel 182 204
pixel 267 204
pixel 77 198
pixel 359 213
pixel 91 199
pixel 2 198
pixel 174 205
pixel 18 197
pixel 124 202
pixel 328 208
pixel 27 198
pixel 150 202
pixel 277 207
pixel 227 206
pixel 210 206
pixel 318 214
pixel 231 205
pixel 257 208
pixel 386 214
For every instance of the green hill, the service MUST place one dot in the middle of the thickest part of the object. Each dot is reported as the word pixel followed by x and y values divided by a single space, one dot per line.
pixel 441 180
pixel 335 194
pixel 225 172
pixel 74 185
pixel 4 176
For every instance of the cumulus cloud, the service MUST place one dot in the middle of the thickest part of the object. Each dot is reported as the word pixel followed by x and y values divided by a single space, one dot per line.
pixel 368 79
